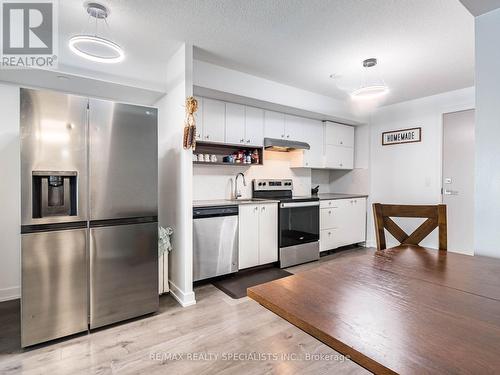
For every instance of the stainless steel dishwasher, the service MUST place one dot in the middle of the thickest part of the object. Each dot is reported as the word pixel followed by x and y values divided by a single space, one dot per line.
pixel 215 241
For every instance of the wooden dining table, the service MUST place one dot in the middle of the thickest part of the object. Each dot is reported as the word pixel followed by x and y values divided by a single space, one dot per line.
pixel 407 310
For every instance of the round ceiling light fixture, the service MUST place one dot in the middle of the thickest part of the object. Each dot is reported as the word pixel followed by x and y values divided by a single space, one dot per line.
pixel 373 87
pixel 94 47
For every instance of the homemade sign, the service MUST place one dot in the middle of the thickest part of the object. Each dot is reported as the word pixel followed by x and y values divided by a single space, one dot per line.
pixel 402 136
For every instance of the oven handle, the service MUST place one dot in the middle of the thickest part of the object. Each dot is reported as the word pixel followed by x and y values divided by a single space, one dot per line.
pixel 299 204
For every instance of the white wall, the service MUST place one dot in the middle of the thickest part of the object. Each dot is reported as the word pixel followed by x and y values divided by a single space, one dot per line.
pixel 487 202
pixel 216 182
pixel 411 173
pixel 10 191
pixel 234 82
pixel 176 174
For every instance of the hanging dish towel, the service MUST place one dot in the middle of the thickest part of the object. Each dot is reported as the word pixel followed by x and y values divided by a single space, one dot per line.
pixel 164 244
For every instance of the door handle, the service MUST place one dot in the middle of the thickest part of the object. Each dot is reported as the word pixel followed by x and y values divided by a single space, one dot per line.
pixel 450 192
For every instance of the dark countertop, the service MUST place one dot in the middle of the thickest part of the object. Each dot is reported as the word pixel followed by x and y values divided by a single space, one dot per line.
pixel 331 196
pixel 229 202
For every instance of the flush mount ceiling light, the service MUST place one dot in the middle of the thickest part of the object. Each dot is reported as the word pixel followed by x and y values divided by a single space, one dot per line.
pixel 94 47
pixel 373 86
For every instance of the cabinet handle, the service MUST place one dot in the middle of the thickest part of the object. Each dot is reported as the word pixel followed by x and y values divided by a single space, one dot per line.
pixel 288 136
pixel 329 233
pixel 329 203
pixel 330 212
pixel 242 140
pixel 256 209
pixel 263 208
pixel 307 163
pixel 341 142
pixel 248 140
pixel 207 137
pixel 282 136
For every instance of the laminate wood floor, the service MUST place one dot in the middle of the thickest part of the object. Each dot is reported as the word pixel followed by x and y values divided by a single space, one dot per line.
pixel 216 326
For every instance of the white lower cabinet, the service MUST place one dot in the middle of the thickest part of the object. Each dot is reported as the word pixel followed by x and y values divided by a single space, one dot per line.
pixel 342 222
pixel 258 234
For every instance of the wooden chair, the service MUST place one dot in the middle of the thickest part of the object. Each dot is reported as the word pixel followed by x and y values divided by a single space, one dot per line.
pixel 435 215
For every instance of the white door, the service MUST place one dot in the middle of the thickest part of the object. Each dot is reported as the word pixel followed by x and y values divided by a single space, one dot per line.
pixel 339 135
pixel 458 179
pixel 339 157
pixel 235 124
pixel 313 158
pixel 214 115
pixel 274 125
pixel 248 239
pixel 254 126
pixel 268 233
pixel 294 128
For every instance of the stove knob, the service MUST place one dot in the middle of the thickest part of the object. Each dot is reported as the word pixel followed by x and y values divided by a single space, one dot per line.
pixel 260 183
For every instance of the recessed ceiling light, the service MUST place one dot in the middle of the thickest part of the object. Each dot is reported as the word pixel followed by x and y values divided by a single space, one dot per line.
pixel 373 87
pixel 94 47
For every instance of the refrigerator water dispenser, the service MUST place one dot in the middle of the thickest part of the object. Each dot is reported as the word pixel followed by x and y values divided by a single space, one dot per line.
pixel 54 193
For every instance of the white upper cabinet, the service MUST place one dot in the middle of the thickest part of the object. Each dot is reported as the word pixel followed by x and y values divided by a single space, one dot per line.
pixel 339 135
pixel 294 128
pixel 235 123
pixel 214 115
pixel 339 146
pixel 314 130
pixel 254 126
pixel 274 125
pixel 198 116
pixel 338 157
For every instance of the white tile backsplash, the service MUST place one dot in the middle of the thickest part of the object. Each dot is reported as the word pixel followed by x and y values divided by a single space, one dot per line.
pixel 216 182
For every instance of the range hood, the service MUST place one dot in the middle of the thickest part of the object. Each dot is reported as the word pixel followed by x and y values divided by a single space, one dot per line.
pixel 284 145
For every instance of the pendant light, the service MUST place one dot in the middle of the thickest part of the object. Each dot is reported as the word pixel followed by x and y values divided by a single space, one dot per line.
pixel 94 47
pixel 373 86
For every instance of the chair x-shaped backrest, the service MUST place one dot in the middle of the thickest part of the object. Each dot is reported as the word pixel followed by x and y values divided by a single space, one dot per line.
pixel 435 215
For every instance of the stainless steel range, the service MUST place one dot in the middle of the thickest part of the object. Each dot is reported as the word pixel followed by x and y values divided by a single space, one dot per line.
pixel 298 221
pixel 89 243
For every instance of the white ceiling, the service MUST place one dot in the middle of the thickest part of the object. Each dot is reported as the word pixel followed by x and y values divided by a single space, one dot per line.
pixel 478 7
pixel 424 46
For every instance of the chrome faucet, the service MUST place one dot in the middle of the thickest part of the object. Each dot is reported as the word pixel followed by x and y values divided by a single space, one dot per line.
pixel 237 193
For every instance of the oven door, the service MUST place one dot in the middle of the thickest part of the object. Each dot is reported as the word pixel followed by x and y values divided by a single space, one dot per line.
pixel 299 223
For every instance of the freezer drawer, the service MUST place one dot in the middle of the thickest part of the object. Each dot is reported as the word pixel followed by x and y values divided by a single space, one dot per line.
pixel 123 272
pixel 123 160
pixel 54 285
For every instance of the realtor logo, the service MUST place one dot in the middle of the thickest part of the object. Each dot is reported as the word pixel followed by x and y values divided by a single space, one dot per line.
pixel 29 34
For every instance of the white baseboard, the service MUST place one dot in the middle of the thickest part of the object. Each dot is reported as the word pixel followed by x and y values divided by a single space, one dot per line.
pixel 370 244
pixel 184 299
pixel 8 294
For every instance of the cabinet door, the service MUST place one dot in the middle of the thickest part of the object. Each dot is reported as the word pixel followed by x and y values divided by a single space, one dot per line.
pixel 268 233
pixel 339 135
pixel 339 157
pixel 214 114
pixel 235 124
pixel 313 134
pixel 248 239
pixel 254 126
pixel 274 125
pixel 294 128
pixel 327 239
pixel 356 223
pixel 198 116
pixel 329 218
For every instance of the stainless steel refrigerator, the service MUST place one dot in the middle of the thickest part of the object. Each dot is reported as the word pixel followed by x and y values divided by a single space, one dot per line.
pixel 89 208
